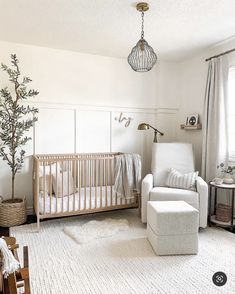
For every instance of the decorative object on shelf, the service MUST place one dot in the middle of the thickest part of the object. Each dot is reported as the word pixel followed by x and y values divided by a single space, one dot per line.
pixel 192 120
pixel 223 212
pixel 15 120
pixel 122 118
pixel 228 171
pixel 218 181
pixel 145 126
pixel 196 127
pixel 142 57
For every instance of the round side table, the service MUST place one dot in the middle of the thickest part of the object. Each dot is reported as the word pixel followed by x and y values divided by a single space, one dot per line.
pixel 212 206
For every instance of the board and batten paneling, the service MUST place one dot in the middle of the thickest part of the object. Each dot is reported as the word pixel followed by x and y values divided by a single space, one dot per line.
pixel 55 131
pixel 93 131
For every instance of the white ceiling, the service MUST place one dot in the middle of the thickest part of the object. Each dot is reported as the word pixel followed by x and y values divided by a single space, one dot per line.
pixel 174 28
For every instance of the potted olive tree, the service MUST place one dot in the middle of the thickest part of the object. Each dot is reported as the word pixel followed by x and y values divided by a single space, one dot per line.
pixel 16 118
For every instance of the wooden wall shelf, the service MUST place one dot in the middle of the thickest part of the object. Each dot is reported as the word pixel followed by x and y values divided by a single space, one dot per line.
pixel 197 127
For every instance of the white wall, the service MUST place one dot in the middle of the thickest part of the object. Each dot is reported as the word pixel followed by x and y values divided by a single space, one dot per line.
pixel 192 82
pixel 77 78
pixel 167 80
pixel 80 96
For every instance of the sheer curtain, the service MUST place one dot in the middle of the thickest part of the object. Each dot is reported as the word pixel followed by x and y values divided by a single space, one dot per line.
pixel 215 124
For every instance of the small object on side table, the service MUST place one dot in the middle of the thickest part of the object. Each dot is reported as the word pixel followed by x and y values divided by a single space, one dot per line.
pixel 228 171
pixel 218 181
pixel 227 178
pixel 221 215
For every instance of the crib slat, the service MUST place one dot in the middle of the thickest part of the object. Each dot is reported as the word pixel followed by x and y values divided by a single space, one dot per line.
pixel 106 182
pixel 74 182
pixel 80 180
pixel 90 173
pixel 50 186
pixel 95 183
pixel 68 165
pixel 101 183
pixel 56 190
pixel 84 172
pixel 62 176
pixel 44 187
pixel 110 182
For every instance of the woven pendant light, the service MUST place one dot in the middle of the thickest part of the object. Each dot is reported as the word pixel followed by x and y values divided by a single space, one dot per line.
pixel 142 57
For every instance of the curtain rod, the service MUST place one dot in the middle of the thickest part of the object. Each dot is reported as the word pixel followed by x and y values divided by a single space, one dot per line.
pixel 218 55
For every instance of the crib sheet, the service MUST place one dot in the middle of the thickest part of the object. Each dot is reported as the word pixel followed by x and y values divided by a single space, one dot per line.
pixel 84 199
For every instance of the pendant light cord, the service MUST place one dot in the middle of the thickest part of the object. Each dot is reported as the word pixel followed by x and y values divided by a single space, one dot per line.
pixel 142 26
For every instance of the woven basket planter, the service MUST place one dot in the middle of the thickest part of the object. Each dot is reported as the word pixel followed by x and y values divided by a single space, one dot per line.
pixel 223 212
pixel 12 212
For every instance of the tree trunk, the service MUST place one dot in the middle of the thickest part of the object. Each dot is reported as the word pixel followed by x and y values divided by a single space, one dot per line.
pixel 13 186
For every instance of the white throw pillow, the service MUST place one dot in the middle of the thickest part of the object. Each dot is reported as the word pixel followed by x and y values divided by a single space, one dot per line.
pixel 49 168
pixel 177 180
pixel 47 182
pixel 45 177
pixel 68 184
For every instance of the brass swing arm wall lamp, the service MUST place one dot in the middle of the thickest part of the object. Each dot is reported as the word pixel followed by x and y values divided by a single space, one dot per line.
pixel 144 126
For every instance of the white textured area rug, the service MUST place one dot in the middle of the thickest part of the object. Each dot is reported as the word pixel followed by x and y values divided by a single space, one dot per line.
pixel 124 262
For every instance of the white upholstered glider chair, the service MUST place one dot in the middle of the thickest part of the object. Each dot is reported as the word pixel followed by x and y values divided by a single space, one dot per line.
pixel 180 157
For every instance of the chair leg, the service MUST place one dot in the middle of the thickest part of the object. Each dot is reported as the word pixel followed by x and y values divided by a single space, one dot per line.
pixel 139 203
pixel 25 274
pixel 26 256
pixel 9 285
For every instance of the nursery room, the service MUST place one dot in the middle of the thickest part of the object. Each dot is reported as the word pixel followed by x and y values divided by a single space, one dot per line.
pixel 117 147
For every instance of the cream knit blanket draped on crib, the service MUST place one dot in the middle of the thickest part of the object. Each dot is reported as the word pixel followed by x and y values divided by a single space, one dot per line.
pixel 127 174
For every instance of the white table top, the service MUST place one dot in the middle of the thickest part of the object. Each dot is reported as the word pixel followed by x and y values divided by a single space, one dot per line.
pixel 223 186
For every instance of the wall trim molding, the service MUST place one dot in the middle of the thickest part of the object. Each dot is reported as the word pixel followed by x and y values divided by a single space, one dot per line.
pixel 104 108
pixel 162 110
pixel 78 109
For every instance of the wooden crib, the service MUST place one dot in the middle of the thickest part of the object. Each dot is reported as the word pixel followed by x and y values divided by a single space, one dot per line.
pixel 73 184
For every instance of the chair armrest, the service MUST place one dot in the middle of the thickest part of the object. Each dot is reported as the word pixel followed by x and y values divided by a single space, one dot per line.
pixel 202 189
pixel 146 187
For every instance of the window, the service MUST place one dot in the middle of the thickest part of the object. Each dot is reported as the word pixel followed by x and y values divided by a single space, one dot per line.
pixel 231 113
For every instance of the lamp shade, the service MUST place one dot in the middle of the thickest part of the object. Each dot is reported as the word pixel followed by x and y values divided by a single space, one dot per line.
pixel 142 57
pixel 143 126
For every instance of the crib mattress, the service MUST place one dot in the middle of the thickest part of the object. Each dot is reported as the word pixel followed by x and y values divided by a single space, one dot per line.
pixel 84 199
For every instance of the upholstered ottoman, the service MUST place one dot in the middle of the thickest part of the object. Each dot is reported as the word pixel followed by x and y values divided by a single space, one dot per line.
pixel 172 227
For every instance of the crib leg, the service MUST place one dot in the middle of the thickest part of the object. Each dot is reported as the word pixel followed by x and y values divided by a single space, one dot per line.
pixel 38 223
pixel 139 205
